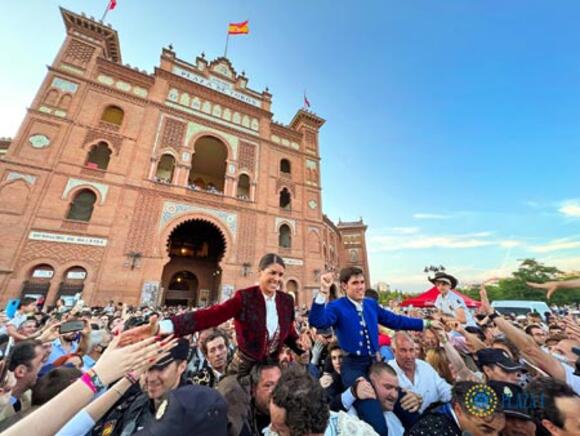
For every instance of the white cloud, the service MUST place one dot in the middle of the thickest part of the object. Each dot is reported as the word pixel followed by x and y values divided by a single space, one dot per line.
pixel 570 208
pixel 381 243
pixel 431 216
pixel 556 245
pixel 510 243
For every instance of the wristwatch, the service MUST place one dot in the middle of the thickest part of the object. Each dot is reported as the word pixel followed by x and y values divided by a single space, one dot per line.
pixel 166 327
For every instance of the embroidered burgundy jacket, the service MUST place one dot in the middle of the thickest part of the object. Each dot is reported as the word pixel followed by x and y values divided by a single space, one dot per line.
pixel 248 308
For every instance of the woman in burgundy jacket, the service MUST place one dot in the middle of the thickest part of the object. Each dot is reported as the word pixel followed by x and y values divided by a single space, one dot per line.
pixel 263 319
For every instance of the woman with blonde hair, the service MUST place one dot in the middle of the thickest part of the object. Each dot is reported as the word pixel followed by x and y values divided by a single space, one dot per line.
pixel 438 360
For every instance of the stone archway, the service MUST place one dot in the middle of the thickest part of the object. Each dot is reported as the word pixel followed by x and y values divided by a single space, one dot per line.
pixel 195 249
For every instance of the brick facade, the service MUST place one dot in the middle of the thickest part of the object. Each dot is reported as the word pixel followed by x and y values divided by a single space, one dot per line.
pixel 154 129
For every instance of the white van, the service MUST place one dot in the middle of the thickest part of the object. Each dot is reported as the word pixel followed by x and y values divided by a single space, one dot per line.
pixel 521 307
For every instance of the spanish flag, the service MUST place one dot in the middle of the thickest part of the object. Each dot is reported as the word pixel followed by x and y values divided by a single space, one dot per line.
pixel 238 28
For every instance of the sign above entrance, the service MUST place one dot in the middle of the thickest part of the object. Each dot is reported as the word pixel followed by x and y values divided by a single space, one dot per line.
pixel 67 239
pixel 293 262
pixel 216 84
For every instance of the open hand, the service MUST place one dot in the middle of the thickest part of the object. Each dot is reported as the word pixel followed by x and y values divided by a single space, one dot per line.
pixel 137 334
pixel 364 390
pixel 551 287
pixel 411 402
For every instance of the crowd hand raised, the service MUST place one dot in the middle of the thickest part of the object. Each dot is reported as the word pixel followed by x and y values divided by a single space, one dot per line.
pixel 572 329
pixel 325 380
pixel 411 402
pixel 117 360
pixel 551 287
pixel 364 390
pixel 139 333
pixel 485 306
pixel 50 334
pixel 326 281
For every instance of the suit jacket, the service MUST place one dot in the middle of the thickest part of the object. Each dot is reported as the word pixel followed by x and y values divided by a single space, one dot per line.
pixel 342 315
pixel 248 309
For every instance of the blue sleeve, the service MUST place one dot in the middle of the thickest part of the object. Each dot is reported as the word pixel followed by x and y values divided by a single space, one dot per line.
pixel 80 425
pixel 398 322
pixel 322 316
pixel 408 419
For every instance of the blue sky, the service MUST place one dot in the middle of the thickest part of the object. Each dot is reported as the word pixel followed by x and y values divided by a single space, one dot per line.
pixel 453 126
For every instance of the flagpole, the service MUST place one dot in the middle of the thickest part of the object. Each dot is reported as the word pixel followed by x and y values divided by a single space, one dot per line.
pixel 227 41
pixel 106 11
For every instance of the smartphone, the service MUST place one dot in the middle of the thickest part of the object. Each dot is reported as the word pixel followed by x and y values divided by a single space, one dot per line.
pixel 72 326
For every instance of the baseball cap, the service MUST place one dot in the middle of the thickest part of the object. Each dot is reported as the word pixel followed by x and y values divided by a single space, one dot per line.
pixel 512 398
pixel 190 409
pixel 179 352
pixel 494 356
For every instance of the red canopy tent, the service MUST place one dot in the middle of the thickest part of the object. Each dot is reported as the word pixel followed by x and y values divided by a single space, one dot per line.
pixel 427 299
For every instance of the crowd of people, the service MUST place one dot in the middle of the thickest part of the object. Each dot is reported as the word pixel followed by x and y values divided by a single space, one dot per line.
pixel 258 365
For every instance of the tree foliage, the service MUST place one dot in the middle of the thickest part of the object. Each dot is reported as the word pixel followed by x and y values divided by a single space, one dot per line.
pixel 516 288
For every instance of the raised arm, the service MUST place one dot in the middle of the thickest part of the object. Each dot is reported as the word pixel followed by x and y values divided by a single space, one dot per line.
pixel 523 342
pixel 553 286
pixel 191 322
pixel 399 322
pixel 320 315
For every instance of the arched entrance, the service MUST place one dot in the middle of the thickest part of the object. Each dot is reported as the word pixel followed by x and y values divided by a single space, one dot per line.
pixel 192 276
pixel 38 282
pixel 73 283
pixel 292 289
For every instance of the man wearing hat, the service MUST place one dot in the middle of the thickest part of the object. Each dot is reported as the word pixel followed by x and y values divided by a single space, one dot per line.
pixel 161 379
pixel 498 366
pixel 190 410
pixel 448 302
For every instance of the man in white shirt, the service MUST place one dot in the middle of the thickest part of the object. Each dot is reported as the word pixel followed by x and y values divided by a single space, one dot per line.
pixel 449 303
pixel 417 375
pixel 385 387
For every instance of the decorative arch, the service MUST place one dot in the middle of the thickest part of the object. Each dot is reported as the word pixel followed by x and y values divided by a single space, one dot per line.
pixel 51 97
pixel 113 113
pixel 64 101
pixel 72 192
pixel 170 226
pixel 81 209
pixel 99 156
pixel 14 195
pixel 285 199
pixel 285 236
pixel 313 242
pixel 291 223
pixel 231 150
pixel 209 163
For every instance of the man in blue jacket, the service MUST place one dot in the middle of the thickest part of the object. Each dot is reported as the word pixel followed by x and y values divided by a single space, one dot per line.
pixel 355 320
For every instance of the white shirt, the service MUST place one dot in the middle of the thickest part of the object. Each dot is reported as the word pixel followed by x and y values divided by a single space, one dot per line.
pixel 271 315
pixel 572 380
pixel 427 383
pixel 449 303
pixel 393 423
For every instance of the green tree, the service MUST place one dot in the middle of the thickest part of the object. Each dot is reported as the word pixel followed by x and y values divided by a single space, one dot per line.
pixel 516 288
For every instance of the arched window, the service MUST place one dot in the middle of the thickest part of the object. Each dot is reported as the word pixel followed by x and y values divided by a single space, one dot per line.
pixel 209 163
pixel 73 284
pixel 99 156
pixel 38 281
pixel 81 208
pixel 285 166
pixel 165 168
pixel 113 115
pixel 64 102
pixel 243 192
pixel 51 97
pixel 284 236
pixel 285 199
